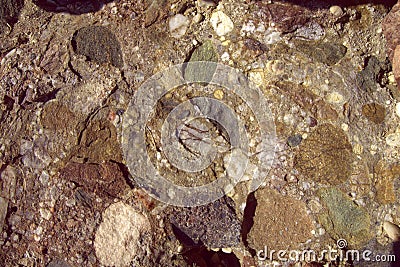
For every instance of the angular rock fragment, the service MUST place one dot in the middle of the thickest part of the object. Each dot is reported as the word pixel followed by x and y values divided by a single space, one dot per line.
pixel 369 78
pixel 103 179
pixel 198 71
pixel 325 156
pixel 327 53
pixel 385 176
pixel 99 44
pixel 374 112
pixel 343 219
pixel 280 222
pixel 286 17
pixel 121 235
pixel 214 225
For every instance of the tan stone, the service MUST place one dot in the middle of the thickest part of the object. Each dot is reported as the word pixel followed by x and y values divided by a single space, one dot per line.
pixel 384 176
pixel 280 222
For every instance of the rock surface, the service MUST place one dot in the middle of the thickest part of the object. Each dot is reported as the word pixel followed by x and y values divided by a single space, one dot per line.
pixel 280 222
pixel 344 219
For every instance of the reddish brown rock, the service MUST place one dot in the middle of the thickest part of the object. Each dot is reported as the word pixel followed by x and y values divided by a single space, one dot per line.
pixel 396 64
pixel 287 17
pixel 103 179
pixel 390 27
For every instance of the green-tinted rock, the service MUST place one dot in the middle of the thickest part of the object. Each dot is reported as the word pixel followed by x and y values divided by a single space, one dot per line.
pixel 327 53
pixel 200 66
pixel 98 44
pixel 343 218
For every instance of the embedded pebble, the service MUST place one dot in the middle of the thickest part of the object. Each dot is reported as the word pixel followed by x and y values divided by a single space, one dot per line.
pixel 393 139
pixel 392 230
pixel 119 234
pixel 398 109
pixel 178 25
pixel 221 23
pixel 337 11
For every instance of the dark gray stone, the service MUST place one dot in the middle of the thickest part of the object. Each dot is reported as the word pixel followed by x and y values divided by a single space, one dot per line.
pixel 98 44
pixel 294 140
pixel 215 225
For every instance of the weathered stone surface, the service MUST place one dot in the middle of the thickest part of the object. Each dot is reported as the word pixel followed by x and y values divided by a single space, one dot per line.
pixel 280 222
pixel 199 71
pixel 99 143
pixel 343 218
pixel 294 140
pixel 369 78
pixel 327 53
pixel 308 101
pixel 120 235
pixel 103 179
pixel 57 117
pixel 374 112
pixel 286 17
pixel 396 64
pixel 215 225
pixel 99 44
pixel 58 263
pixel 9 11
pixel 325 156
pixel 390 26
pixel 384 176
pixel 3 211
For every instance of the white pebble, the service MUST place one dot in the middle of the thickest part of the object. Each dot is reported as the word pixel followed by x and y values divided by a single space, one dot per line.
pixel 221 23
pixel 398 109
pixel 337 11
pixel 393 139
pixel 392 230
pixel 178 25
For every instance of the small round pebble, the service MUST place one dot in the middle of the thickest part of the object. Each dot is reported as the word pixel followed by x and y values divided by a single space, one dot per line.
pixel 337 11
pixel 294 140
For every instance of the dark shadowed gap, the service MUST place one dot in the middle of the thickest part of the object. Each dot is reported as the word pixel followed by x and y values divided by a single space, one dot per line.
pixel 248 221
pixel 396 253
pixel 71 6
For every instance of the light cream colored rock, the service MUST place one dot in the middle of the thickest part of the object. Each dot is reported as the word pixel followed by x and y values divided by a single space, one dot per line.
pixel 221 23
pixel 178 25
pixel 398 109
pixel 392 230
pixel 118 236
pixel 337 11
pixel 393 139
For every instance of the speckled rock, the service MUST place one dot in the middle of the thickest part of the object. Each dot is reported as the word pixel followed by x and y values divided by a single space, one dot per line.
pixel 325 156
pixel 58 263
pixel 343 218
pixel 99 44
pixel 205 52
pixel 370 77
pixel 280 222
pixel 9 11
pixel 215 225
pixel 374 112
pixel 120 236
pixel 103 179
pixel 327 53
pixel 385 176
